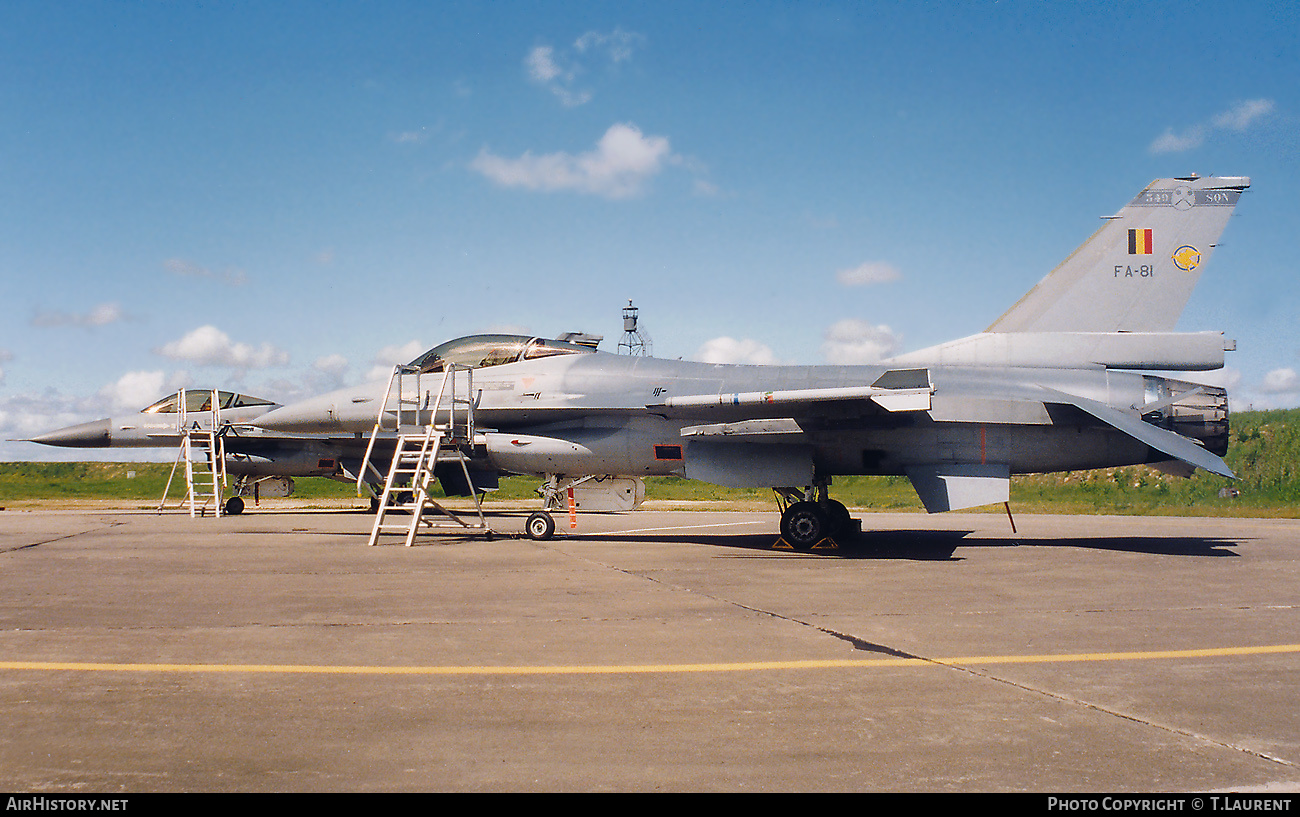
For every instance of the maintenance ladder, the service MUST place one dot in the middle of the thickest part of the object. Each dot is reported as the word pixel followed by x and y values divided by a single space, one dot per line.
pixel 205 474
pixel 443 438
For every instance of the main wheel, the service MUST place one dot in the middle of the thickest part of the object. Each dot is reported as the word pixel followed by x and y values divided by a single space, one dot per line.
pixel 540 526
pixel 234 506
pixel 803 525
pixel 838 516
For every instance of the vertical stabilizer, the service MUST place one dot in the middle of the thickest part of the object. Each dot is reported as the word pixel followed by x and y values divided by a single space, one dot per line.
pixel 1136 273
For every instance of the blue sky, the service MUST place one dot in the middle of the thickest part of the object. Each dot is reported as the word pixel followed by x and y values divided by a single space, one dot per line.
pixel 281 197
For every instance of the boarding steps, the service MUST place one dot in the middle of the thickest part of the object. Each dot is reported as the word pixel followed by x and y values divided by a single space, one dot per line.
pixel 203 450
pixel 444 437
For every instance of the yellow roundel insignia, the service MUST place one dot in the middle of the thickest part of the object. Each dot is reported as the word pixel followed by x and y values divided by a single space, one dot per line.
pixel 1186 258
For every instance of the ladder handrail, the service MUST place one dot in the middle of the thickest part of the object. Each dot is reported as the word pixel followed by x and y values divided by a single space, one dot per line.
pixel 416 456
pixel 448 376
pixel 379 419
pixel 211 439
pixel 398 370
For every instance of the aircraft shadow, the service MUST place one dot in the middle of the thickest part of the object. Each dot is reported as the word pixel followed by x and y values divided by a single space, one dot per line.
pixel 1153 545
pixel 915 545
pixel 930 545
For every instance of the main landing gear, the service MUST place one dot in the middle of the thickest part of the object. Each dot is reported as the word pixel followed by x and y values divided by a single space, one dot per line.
pixel 809 516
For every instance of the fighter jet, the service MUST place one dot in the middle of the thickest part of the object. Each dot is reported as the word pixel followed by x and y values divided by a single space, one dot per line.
pixel 262 463
pixel 265 463
pixel 1062 381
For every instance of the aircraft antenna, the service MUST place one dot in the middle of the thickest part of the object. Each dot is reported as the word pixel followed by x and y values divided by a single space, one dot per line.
pixel 635 341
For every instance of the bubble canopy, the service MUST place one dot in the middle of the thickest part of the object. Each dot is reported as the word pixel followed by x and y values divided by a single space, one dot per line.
pixel 479 351
pixel 201 400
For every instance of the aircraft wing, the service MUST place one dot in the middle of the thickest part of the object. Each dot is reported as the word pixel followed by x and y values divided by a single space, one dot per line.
pixel 767 416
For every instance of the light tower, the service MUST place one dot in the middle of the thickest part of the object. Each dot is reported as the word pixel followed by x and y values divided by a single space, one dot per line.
pixel 635 341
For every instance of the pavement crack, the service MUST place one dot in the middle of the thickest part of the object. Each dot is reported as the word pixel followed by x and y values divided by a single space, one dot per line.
pixel 73 535
pixel 1115 713
pixel 868 646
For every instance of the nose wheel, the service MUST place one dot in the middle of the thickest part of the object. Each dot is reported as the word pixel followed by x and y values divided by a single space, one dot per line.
pixel 540 526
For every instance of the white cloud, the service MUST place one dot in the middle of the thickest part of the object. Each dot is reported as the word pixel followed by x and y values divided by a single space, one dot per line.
pixel 1238 118
pixel 1280 388
pixel 189 269
pixel 99 315
pixel 558 72
pixel 1227 377
pixel 400 353
pixel 135 390
pixel 329 373
pixel 622 161
pixel 731 350
pixel 852 341
pixel 25 415
pixel 541 65
pixel 1244 114
pixel 1281 381
pixel 543 70
pixel 1170 142
pixel 706 189
pixel 209 346
pixel 866 274
pixel 618 44
pixel 389 356
pixel 332 365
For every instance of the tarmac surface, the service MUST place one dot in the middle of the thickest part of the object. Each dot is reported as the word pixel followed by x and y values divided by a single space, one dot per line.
pixel 649 651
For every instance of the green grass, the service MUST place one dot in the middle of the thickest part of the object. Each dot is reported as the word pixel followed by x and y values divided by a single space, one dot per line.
pixel 1264 452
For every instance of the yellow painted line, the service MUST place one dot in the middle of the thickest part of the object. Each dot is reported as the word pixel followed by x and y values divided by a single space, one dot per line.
pixel 628 669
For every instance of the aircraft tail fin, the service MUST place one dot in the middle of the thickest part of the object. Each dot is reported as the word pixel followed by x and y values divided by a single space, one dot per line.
pixel 1136 273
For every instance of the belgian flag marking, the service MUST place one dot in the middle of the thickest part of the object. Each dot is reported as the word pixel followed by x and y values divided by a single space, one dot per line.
pixel 1139 242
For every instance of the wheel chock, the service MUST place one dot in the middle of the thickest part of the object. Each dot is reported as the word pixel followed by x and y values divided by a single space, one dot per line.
pixel 825 544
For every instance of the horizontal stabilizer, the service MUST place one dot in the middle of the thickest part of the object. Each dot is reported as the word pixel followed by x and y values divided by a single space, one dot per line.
pixel 1166 442
pixel 951 487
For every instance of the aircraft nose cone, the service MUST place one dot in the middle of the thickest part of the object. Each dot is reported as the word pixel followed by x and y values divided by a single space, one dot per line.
pixel 307 416
pixel 96 434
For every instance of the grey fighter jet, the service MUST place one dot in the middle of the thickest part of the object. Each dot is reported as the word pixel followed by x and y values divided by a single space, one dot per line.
pixel 267 462
pixel 260 461
pixel 1063 381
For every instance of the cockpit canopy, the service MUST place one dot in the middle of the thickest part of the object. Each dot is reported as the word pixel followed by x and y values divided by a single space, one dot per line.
pixel 201 400
pixel 479 351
